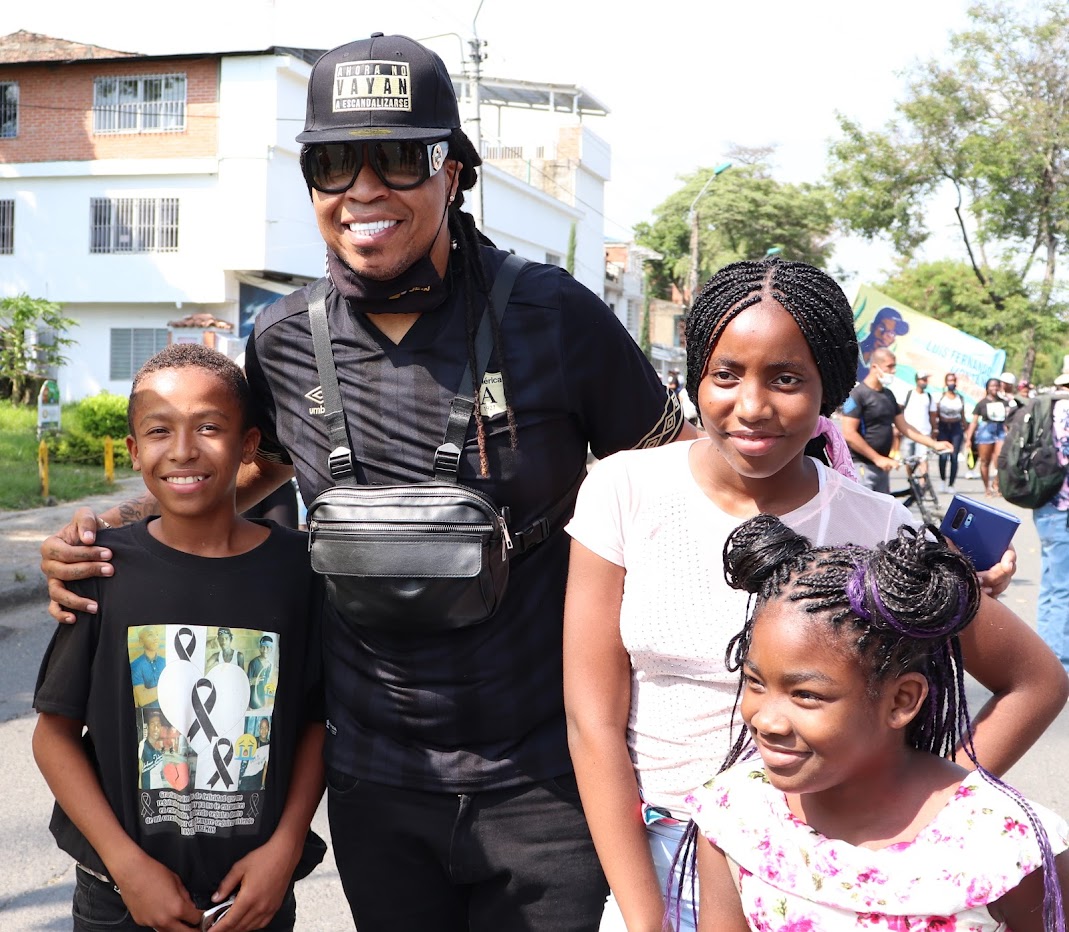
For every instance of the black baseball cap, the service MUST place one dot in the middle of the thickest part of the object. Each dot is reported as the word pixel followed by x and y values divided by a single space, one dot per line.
pixel 385 87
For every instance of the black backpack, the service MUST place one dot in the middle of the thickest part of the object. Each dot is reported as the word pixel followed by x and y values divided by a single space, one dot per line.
pixel 1029 472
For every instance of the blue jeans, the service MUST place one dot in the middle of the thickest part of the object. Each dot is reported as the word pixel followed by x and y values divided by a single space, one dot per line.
pixel 1053 610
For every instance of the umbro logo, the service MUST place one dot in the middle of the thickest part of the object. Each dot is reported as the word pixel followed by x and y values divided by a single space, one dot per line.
pixel 316 396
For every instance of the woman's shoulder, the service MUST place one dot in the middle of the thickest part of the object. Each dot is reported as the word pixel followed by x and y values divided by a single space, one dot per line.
pixel 641 464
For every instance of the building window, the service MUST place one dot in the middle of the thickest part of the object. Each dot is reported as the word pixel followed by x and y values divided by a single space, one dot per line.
pixel 133 224
pixel 7 227
pixel 9 109
pixel 552 259
pixel 140 104
pixel 132 347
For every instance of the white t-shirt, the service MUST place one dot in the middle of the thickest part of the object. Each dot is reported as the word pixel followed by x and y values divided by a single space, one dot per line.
pixel 918 411
pixel 642 510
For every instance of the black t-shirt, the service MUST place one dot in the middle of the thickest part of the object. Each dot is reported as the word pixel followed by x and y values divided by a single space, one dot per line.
pixel 482 706
pixel 185 771
pixel 877 411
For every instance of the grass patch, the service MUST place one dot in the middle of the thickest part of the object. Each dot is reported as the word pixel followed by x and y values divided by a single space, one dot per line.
pixel 20 485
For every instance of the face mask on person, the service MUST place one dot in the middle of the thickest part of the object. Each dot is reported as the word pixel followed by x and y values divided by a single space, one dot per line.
pixel 887 379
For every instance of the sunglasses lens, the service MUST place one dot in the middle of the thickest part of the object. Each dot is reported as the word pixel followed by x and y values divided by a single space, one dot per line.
pixel 401 163
pixel 333 166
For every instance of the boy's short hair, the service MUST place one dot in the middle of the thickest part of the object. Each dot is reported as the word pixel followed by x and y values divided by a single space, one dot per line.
pixel 267 639
pixel 197 355
pixel 226 631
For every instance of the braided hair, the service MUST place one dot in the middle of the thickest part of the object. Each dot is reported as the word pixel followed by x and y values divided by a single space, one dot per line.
pixel 902 606
pixel 810 296
pixel 465 263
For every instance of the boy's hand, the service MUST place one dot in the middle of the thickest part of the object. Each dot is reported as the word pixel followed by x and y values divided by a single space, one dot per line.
pixel 70 555
pixel 261 879
pixel 156 897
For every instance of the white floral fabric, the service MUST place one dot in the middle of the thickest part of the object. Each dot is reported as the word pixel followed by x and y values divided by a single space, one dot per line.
pixel 793 879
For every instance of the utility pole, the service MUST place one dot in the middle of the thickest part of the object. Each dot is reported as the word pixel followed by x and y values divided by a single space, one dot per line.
pixel 692 215
pixel 477 57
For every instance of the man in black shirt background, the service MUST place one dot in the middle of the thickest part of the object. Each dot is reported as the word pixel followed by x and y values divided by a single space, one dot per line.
pixel 869 418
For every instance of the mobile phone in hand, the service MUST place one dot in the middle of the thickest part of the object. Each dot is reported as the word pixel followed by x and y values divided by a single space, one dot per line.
pixel 213 915
pixel 981 532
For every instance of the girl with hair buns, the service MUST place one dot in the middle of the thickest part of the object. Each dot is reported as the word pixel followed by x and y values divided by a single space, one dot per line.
pixel 853 694
pixel 771 353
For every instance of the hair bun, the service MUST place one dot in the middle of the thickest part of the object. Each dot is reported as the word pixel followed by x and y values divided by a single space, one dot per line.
pixel 757 549
pixel 930 588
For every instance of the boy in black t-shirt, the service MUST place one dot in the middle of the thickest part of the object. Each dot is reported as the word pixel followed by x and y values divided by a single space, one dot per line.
pixel 170 807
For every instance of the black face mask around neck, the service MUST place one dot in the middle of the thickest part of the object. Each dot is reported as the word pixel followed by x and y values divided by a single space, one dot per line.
pixel 418 289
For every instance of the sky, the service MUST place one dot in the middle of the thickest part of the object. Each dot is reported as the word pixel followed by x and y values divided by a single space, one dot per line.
pixel 683 81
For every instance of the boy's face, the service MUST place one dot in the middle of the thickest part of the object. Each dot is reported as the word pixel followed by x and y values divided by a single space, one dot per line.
pixel 188 441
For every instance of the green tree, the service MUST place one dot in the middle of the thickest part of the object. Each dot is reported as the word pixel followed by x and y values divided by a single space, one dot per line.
pixel 991 126
pixel 949 290
pixel 742 214
pixel 33 337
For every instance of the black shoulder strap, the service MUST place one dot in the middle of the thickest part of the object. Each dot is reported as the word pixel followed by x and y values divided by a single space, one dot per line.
pixel 340 460
pixel 447 456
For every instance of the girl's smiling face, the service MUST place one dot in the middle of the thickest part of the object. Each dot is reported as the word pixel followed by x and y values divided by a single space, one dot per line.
pixel 807 702
pixel 761 393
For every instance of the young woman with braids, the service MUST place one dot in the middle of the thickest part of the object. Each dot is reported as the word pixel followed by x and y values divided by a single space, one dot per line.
pixel 448 769
pixel 855 815
pixel 771 351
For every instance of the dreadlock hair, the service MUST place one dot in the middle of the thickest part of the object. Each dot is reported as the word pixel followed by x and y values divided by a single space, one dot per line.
pixel 198 356
pixel 901 605
pixel 810 296
pixel 465 263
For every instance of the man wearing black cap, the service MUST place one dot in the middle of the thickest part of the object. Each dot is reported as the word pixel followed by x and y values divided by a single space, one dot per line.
pixel 452 799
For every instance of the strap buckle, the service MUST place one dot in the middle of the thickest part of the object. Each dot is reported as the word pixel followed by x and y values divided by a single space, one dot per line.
pixel 340 463
pixel 530 536
pixel 447 460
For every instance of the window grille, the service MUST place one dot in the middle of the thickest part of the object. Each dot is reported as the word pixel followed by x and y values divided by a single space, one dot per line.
pixel 9 110
pixel 132 347
pixel 7 227
pixel 133 224
pixel 140 104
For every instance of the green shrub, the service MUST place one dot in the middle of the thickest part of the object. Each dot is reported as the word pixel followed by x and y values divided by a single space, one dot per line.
pixel 79 448
pixel 103 415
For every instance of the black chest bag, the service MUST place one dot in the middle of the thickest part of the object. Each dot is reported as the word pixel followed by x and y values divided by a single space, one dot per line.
pixel 417 556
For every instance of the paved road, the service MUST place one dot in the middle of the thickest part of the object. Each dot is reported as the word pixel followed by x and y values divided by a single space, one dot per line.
pixel 36 885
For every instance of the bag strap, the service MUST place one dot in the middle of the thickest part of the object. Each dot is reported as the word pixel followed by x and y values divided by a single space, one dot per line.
pixel 447 456
pixel 340 460
pixel 534 534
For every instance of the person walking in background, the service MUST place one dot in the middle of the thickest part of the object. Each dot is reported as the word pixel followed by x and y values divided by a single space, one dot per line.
pixel 950 413
pixel 988 424
pixel 921 413
pixel 1052 525
pixel 870 416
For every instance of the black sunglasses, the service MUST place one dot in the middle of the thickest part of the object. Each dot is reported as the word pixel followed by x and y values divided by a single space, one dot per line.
pixel 401 164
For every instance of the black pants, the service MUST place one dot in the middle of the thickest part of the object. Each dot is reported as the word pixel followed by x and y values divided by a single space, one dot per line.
pixel 495 861
pixel 99 908
pixel 948 462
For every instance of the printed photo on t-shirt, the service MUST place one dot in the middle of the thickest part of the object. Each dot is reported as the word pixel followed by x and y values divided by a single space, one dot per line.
pixel 205 699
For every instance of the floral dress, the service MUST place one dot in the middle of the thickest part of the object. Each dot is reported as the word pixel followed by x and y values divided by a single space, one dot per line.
pixel 793 879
